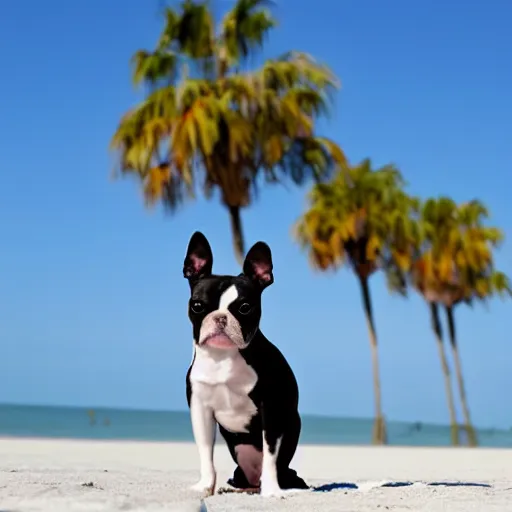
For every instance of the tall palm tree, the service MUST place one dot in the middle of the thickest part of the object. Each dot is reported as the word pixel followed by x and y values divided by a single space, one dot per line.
pixel 209 121
pixel 475 278
pixel 360 218
pixel 432 227
pixel 458 267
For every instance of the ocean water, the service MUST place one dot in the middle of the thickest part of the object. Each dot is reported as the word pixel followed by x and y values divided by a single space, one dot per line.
pixel 82 423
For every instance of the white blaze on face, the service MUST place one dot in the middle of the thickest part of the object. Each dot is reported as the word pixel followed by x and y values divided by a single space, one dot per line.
pixel 228 297
pixel 232 330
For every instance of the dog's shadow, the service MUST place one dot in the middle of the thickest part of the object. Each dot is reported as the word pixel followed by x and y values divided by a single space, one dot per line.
pixel 335 486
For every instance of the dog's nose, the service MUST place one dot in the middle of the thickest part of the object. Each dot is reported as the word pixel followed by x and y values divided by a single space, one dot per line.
pixel 221 320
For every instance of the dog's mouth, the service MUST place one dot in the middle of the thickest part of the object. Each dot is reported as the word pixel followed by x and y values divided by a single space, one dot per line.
pixel 219 340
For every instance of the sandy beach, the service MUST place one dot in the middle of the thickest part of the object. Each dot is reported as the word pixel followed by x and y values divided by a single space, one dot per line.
pixel 70 475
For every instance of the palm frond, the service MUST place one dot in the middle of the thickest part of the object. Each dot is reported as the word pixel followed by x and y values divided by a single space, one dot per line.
pixel 360 216
pixel 204 123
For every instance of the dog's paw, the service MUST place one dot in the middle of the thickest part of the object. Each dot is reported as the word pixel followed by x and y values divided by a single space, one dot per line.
pixel 204 487
pixel 272 491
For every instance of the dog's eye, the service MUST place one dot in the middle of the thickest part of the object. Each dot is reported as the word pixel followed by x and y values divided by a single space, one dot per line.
pixel 197 307
pixel 245 308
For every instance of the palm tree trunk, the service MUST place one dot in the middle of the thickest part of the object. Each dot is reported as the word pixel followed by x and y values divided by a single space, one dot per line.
pixel 436 327
pixel 472 440
pixel 237 233
pixel 379 428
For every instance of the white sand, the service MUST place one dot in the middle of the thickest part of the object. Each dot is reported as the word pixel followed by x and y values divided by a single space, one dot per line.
pixel 48 475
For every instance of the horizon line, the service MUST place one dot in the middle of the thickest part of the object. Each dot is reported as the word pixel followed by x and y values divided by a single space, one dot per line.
pixel 303 414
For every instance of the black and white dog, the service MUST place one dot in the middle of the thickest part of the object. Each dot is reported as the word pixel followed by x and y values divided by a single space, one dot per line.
pixel 238 378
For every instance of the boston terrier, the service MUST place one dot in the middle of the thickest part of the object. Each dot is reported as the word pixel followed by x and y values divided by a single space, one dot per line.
pixel 238 379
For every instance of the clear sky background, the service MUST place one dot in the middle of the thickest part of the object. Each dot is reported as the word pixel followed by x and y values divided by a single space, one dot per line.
pixel 92 299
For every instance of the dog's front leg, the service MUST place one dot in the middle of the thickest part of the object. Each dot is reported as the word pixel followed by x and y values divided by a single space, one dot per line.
pixel 272 436
pixel 203 427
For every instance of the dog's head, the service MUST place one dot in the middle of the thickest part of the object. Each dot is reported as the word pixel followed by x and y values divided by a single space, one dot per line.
pixel 225 311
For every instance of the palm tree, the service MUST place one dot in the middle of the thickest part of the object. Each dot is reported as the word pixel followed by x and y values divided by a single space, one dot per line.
pixel 458 267
pixel 475 278
pixel 360 218
pixel 432 226
pixel 209 121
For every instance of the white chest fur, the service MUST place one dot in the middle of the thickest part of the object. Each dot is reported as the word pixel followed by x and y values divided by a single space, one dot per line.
pixel 222 381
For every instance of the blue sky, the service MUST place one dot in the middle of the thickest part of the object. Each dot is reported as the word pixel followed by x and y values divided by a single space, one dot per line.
pixel 92 298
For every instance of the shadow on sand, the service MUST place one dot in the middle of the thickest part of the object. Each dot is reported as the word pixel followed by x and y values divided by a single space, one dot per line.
pixel 347 485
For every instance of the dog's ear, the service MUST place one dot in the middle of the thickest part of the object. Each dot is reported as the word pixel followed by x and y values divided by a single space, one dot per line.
pixel 199 259
pixel 258 265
